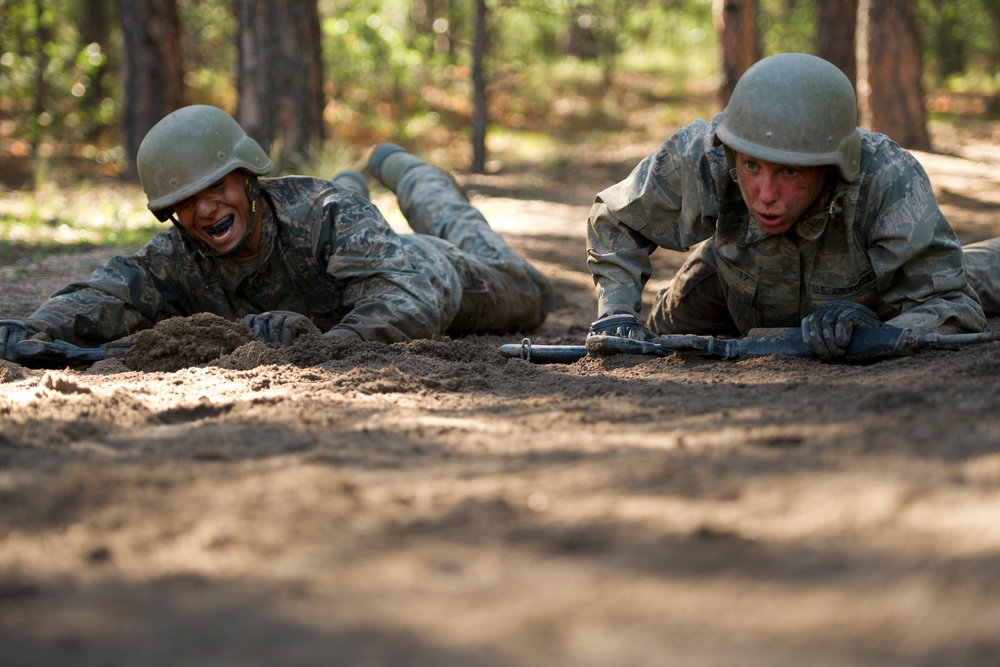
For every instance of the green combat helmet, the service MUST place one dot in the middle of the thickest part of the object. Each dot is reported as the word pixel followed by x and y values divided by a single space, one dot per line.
pixel 189 150
pixel 794 109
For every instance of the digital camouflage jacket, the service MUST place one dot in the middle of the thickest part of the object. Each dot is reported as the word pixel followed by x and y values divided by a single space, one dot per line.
pixel 325 252
pixel 881 241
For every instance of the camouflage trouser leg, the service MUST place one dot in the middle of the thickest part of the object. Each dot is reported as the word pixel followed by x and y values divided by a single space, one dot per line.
pixel 501 290
pixel 982 267
pixel 693 302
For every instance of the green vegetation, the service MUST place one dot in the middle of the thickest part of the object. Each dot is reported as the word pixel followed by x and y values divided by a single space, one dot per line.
pixel 62 218
pixel 560 72
pixel 391 75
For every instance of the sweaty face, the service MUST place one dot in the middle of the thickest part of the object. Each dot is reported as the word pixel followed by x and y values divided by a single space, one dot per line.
pixel 219 216
pixel 778 194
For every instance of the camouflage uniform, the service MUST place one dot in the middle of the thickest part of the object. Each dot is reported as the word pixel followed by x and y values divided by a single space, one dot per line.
pixel 326 253
pixel 982 268
pixel 880 240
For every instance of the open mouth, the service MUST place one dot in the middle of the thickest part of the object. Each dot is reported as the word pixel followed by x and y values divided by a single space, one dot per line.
pixel 768 220
pixel 220 228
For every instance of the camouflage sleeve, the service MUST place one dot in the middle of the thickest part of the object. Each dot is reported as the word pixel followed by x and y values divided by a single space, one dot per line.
pixel 667 201
pixel 916 255
pixel 125 295
pixel 389 300
pixel 617 256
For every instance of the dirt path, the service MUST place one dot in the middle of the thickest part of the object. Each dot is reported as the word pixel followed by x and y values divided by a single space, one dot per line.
pixel 435 504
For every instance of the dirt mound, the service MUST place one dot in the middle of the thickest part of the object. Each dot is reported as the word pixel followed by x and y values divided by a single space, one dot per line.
pixel 180 342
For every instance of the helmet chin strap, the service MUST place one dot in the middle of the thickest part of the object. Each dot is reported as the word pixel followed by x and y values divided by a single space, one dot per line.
pixel 252 189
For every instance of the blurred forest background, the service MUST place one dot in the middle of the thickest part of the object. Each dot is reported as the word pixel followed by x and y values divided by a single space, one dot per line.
pixel 475 85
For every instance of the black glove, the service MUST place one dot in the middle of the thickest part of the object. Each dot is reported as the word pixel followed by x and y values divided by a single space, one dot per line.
pixel 280 326
pixel 625 325
pixel 827 332
pixel 12 332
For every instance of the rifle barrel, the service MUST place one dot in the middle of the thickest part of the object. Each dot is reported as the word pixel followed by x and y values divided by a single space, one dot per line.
pixel 543 354
pixel 952 340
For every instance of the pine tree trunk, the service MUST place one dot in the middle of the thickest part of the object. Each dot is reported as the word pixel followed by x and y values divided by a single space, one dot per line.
pixel 95 28
pixel 890 66
pixel 152 72
pixel 836 22
pixel 480 113
pixel 280 79
pixel 736 24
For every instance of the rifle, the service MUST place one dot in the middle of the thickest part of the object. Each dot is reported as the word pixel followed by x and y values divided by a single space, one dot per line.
pixel 45 353
pixel 865 345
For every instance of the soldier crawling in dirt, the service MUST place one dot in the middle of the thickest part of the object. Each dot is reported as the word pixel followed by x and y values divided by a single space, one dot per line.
pixel 294 254
pixel 804 220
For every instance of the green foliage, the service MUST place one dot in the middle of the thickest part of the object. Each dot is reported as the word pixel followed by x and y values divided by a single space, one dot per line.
pixel 396 76
pixel 400 69
pixel 61 92
pixel 960 44
pixel 66 217
pixel 43 67
pixel 209 42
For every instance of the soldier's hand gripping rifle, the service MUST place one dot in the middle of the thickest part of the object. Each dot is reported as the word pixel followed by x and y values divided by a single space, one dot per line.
pixel 865 345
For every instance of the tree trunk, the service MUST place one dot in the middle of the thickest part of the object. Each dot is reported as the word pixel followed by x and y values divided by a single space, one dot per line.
pixel 736 24
pixel 889 69
pixel 152 72
pixel 422 23
pixel 280 78
pixel 836 22
pixel 456 17
pixel 95 28
pixel 618 16
pixel 43 33
pixel 480 113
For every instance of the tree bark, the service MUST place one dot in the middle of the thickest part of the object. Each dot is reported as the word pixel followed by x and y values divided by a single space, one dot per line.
pixel 480 113
pixel 422 15
pixel 836 22
pixel 736 24
pixel 280 78
pixel 152 71
pixel 889 72
pixel 43 32
pixel 95 28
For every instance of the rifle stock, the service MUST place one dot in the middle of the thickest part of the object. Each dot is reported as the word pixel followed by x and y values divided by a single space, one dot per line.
pixel 46 353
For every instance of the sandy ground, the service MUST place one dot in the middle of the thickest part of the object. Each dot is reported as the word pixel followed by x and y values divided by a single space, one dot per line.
pixel 209 500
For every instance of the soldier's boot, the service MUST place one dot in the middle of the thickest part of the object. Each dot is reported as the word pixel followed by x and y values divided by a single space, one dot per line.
pixel 388 162
pixel 353 180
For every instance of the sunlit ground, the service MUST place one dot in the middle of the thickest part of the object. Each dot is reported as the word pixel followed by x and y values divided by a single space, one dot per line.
pixel 54 216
